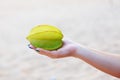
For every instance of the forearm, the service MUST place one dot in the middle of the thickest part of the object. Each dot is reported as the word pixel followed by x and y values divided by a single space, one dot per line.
pixel 108 63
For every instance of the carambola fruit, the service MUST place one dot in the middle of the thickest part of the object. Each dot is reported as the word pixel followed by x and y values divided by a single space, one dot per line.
pixel 45 36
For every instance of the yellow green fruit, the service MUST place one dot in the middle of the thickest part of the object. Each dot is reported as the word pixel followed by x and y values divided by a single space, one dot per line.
pixel 45 36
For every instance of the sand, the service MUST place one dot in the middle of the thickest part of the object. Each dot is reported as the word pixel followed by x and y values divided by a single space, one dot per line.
pixel 92 23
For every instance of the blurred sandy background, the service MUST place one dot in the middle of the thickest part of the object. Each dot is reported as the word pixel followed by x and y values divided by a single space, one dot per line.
pixel 93 23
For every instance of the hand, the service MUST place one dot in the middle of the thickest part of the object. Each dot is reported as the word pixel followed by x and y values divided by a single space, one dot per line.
pixel 100 60
pixel 67 50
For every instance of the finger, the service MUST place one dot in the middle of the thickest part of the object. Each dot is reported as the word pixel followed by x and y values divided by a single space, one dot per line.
pixel 67 40
pixel 62 50
pixel 29 45
pixel 53 54
pixel 45 52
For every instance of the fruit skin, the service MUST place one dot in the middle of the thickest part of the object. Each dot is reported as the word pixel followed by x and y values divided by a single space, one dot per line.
pixel 47 44
pixel 45 36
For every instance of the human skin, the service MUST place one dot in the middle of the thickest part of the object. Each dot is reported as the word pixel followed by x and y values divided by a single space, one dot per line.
pixel 106 62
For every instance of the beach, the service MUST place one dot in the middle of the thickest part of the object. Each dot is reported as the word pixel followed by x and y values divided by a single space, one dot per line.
pixel 92 23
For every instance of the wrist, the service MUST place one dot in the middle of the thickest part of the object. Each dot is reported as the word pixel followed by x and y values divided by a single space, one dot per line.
pixel 79 51
pixel 76 50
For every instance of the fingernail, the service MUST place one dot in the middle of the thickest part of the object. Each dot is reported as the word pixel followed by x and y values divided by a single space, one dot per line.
pixel 30 46
pixel 37 49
